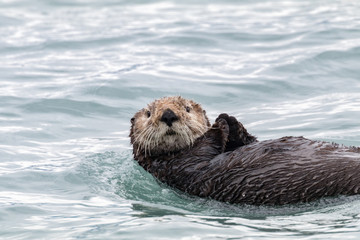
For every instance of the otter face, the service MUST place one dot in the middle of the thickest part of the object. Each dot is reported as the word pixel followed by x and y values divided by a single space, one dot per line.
pixel 167 125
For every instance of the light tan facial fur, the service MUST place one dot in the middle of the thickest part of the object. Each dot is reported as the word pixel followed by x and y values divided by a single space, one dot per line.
pixel 152 136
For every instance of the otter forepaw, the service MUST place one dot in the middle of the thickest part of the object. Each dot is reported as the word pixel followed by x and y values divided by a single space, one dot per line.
pixel 238 135
pixel 234 125
pixel 219 133
pixel 223 126
pixel 234 128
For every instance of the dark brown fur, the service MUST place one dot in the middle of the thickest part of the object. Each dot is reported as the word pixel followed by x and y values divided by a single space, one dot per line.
pixel 228 164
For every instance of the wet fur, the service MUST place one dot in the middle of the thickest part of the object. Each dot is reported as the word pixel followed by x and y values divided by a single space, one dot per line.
pixel 228 164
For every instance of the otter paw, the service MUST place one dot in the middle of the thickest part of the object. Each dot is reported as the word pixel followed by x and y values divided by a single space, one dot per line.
pixel 234 126
pixel 238 135
pixel 222 116
pixel 231 121
pixel 219 133
pixel 222 125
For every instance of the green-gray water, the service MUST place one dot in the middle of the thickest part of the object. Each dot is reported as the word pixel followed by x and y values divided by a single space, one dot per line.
pixel 73 73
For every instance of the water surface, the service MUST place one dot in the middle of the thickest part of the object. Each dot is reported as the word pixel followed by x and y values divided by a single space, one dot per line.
pixel 73 73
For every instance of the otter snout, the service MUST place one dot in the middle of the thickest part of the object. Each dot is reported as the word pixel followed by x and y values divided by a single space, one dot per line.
pixel 169 117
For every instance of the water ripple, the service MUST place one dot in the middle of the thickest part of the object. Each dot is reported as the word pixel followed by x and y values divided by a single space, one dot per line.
pixel 74 72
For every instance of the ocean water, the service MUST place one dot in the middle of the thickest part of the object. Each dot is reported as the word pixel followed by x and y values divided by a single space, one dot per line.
pixel 73 73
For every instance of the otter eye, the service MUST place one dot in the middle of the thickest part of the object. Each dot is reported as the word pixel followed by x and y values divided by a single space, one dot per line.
pixel 148 114
pixel 187 109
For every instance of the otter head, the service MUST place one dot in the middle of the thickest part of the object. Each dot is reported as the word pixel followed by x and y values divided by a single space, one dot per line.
pixel 167 125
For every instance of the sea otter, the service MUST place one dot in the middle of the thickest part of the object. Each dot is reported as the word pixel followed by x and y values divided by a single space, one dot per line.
pixel 173 140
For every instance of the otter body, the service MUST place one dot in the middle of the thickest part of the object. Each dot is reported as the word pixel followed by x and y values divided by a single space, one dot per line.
pixel 224 162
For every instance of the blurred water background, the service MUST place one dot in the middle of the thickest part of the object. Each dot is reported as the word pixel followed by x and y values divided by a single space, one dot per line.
pixel 72 74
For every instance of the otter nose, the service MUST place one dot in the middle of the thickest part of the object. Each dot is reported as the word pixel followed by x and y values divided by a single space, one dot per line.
pixel 169 117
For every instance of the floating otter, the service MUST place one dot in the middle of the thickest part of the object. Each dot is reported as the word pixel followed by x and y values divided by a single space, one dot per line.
pixel 174 141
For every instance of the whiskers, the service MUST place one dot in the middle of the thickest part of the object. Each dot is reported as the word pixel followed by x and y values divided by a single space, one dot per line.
pixel 154 140
pixel 144 139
